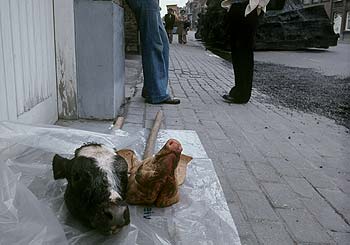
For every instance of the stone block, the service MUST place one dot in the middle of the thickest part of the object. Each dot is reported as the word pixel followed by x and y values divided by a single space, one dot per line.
pixel 339 200
pixel 241 180
pixel 224 146
pixel 264 172
pixel 341 238
pixel 326 215
pixel 134 118
pixel 281 196
pixel 272 233
pixel 301 186
pixel 303 227
pixel 256 206
pixel 232 160
pixel 284 167
pixel 318 179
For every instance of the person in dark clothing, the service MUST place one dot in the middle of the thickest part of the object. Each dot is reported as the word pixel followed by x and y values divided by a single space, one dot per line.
pixel 242 22
pixel 169 19
pixel 241 31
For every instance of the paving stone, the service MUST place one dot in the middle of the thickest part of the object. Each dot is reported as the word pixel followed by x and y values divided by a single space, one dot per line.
pixel 205 115
pixel 230 196
pixel 176 127
pixel 224 146
pixel 301 186
pixel 232 160
pixel 264 172
pixel 134 119
pixel 284 167
pixel 237 213
pixel 303 227
pixel 262 144
pixel 132 127
pixel 271 233
pixel 222 117
pixel 343 184
pixel 241 180
pixel 339 201
pixel 148 124
pixel 247 237
pixel 341 238
pixel 173 121
pixel 256 206
pixel 326 215
pixel 172 114
pixel 281 196
pixel 189 115
pixel 299 162
pixel 318 179
pixel 136 111
pixel 214 130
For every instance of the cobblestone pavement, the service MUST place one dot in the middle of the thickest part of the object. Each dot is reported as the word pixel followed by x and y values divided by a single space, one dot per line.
pixel 285 174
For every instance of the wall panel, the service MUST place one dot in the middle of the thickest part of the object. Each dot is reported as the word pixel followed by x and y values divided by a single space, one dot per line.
pixel 27 61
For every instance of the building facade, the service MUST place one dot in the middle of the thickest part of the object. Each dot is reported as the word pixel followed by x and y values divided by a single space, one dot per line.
pixel 48 69
pixel 339 13
pixel 193 8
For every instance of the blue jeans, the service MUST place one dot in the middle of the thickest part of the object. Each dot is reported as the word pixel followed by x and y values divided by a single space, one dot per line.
pixel 155 49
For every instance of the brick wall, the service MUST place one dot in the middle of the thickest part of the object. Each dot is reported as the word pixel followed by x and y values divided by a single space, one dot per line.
pixel 132 44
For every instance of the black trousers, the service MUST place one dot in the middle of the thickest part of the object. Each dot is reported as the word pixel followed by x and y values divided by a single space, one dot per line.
pixel 242 30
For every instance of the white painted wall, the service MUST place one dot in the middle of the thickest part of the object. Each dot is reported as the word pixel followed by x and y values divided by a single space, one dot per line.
pixel 65 59
pixel 27 61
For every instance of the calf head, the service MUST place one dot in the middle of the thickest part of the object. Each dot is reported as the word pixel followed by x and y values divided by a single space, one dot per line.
pixel 97 181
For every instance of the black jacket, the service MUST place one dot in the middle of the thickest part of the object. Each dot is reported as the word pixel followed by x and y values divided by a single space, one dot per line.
pixel 169 21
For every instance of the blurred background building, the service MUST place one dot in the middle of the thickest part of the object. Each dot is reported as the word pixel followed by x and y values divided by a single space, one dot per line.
pixel 339 13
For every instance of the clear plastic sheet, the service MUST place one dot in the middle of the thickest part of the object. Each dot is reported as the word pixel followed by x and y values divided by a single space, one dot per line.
pixel 32 209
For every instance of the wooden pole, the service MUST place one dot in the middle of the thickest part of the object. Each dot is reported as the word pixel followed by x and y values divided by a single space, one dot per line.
pixel 119 123
pixel 153 135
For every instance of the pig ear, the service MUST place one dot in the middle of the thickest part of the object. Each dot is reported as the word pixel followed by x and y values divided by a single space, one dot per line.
pixel 59 166
pixel 180 172
pixel 130 158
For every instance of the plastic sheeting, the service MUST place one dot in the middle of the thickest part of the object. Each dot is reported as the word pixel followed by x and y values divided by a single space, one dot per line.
pixel 32 209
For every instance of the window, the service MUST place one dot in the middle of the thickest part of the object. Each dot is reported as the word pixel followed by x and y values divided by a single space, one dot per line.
pixel 337 22
pixel 307 2
pixel 347 23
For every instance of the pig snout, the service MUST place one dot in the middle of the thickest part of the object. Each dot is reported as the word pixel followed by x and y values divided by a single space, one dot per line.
pixel 174 146
pixel 111 218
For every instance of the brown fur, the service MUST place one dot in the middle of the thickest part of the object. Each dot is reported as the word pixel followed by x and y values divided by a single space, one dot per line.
pixel 155 180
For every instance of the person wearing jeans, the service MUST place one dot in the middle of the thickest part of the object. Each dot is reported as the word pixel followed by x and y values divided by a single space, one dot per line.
pixel 154 50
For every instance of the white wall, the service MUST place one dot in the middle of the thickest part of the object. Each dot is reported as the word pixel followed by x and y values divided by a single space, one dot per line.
pixel 65 59
pixel 27 61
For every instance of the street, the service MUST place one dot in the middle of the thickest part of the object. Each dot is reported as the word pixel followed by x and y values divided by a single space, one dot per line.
pixel 285 173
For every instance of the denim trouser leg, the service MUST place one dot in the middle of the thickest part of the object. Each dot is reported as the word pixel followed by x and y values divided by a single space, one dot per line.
pixel 155 49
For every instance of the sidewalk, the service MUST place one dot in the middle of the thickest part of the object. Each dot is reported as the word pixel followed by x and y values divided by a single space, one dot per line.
pixel 285 174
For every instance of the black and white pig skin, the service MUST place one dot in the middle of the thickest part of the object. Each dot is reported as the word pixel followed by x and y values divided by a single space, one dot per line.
pixel 97 180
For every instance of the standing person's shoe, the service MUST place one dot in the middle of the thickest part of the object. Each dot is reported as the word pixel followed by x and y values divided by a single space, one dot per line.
pixel 234 100
pixel 170 101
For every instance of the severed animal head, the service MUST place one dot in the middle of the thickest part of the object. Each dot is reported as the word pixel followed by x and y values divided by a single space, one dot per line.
pixel 96 191
pixel 155 180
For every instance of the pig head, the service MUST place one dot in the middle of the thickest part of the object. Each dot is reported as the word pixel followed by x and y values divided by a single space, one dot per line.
pixel 96 191
pixel 155 181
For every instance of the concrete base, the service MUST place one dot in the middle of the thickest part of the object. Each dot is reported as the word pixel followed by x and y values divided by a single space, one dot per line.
pixel 100 58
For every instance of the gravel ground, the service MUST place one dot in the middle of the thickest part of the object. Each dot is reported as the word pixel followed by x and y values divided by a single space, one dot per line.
pixel 304 89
